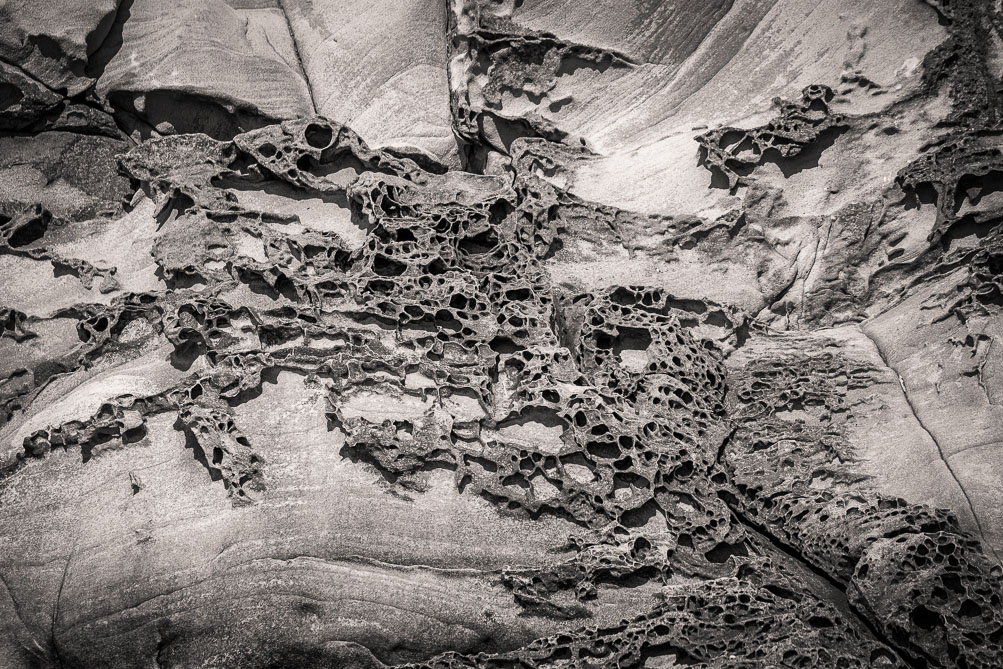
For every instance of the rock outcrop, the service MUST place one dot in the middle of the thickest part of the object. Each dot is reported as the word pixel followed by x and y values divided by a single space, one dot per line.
pixel 501 334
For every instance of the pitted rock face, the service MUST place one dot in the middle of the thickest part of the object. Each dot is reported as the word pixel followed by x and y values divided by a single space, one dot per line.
pixel 734 153
pixel 551 353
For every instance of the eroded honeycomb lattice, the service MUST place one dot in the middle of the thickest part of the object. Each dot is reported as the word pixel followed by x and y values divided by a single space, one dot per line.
pixel 964 166
pixel 909 569
pixel 706 625
pixel 734 153
pixel 609 408
pixel 494 58
pixel 729 491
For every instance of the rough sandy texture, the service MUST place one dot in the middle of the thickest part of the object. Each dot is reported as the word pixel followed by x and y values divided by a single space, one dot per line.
pixel 501 333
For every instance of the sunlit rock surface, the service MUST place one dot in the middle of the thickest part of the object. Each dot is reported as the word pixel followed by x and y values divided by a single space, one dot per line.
pixel 503 333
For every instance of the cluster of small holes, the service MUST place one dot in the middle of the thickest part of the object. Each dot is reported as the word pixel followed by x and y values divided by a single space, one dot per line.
pixel 635 442
pixel 224 450
pixel 789 470
pixel 726 624
pixel 115 423
pixel 449 288
pixel 734 153
pixel 934 594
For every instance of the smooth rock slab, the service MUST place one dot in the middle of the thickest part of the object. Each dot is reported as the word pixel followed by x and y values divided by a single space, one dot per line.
pixel 53 41
pixel 197 66
pixel 379 67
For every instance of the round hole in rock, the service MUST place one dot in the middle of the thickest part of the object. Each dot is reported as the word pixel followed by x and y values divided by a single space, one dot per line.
pixel 924 618
pixel 318 136
pixel 28 233
pixel 10 95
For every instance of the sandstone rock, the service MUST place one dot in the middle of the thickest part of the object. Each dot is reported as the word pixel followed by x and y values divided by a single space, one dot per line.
pixel 230 68
pixel 379 67
pixel 501 333
pixel 53 42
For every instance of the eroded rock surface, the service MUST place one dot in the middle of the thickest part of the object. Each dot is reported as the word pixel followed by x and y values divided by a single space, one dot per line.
pixel 496 334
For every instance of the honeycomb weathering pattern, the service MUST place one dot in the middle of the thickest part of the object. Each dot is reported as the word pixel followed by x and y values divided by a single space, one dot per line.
pixel 277 394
